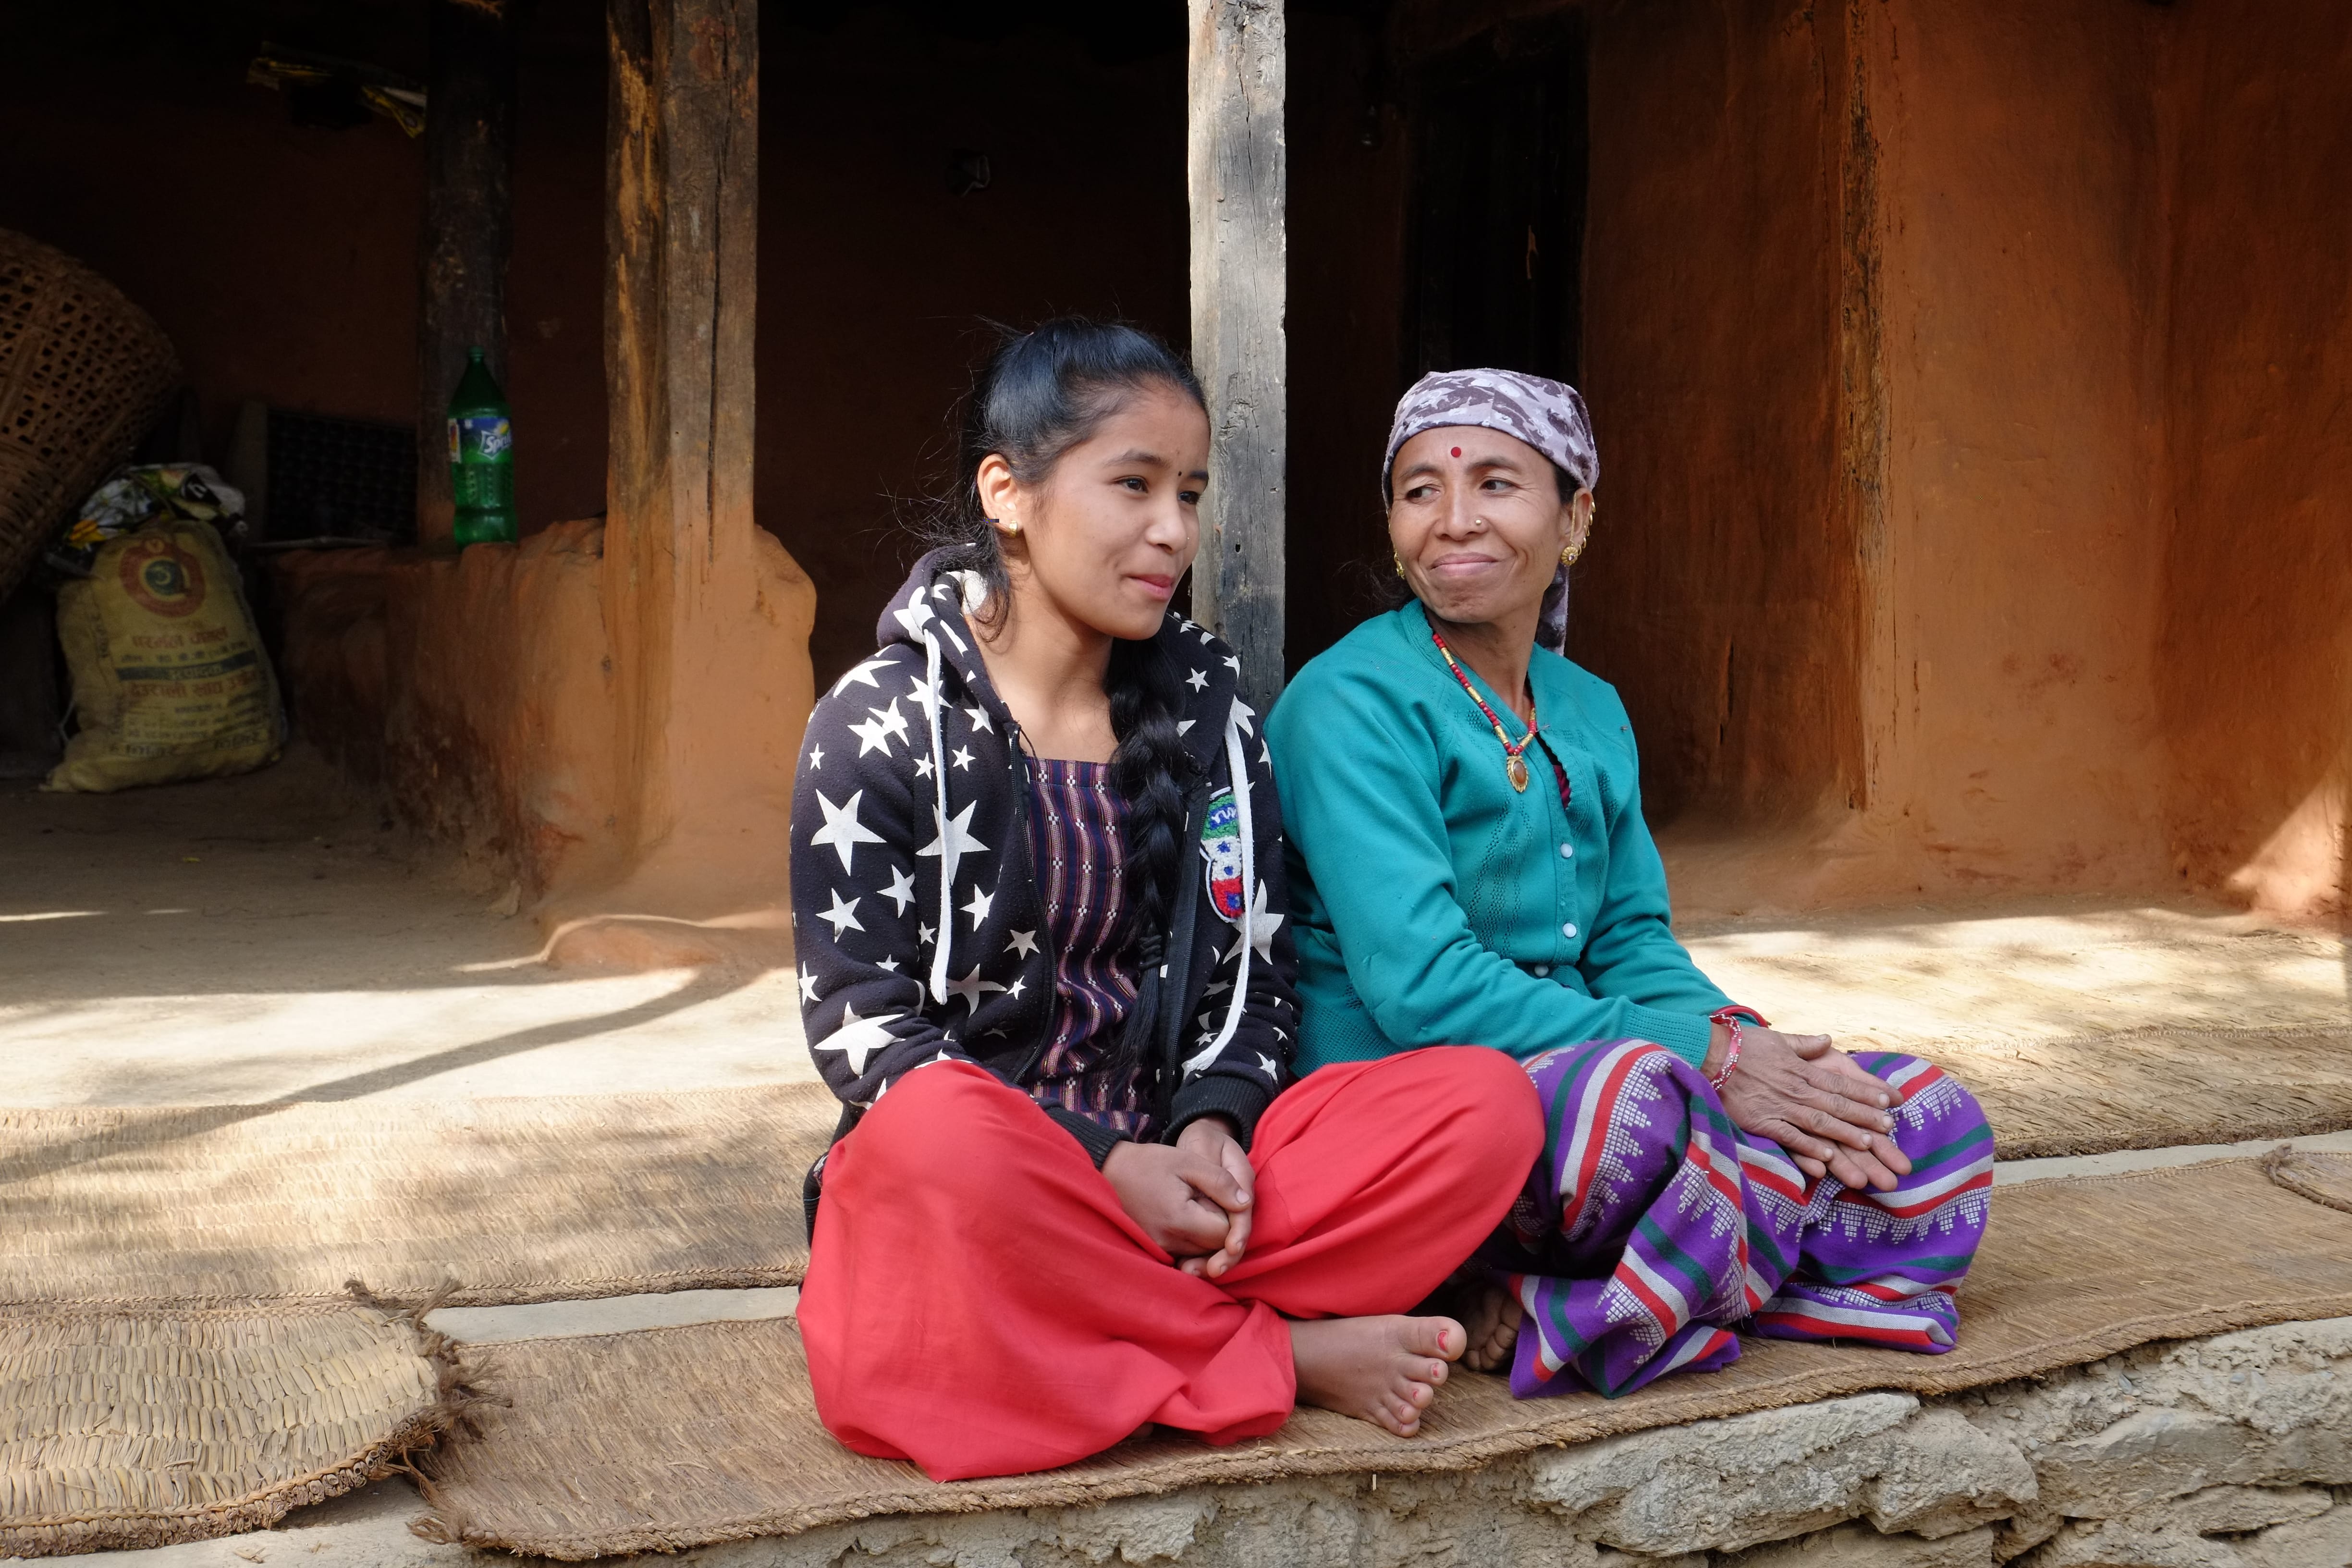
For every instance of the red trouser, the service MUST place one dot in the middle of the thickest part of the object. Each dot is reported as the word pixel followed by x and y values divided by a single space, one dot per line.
pixel 977 1302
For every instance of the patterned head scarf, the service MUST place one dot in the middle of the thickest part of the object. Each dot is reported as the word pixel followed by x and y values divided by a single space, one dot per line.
pixel 1547 415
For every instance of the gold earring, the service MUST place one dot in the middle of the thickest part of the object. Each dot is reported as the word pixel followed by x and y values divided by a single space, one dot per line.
pixel 1398 560
pixel 1568 557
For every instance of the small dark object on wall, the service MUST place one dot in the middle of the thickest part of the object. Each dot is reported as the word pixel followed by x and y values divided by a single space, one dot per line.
pixel 348 478
pixel 967 172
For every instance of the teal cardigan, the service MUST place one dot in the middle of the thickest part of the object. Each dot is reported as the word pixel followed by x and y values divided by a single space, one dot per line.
pixel 1436 905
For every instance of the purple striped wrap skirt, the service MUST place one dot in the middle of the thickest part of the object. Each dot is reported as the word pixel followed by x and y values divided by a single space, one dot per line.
pixel 1653 1232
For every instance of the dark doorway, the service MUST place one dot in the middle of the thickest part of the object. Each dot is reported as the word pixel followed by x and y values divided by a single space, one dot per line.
pixel 1497 243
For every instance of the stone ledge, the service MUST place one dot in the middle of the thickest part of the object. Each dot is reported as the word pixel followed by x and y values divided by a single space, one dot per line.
pixel 2233 1451
pixel 2228 1452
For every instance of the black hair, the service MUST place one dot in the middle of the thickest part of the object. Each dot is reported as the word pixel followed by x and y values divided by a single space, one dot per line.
pixel 1040 394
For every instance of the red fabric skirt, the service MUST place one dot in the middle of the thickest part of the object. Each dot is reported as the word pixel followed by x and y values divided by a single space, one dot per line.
pixel 977 1302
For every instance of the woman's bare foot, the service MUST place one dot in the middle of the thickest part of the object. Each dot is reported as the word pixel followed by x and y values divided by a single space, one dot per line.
pixel 1494 1329
pixel 1385 1369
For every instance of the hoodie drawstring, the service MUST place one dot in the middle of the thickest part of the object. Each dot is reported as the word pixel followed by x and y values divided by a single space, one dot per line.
pixel 947 858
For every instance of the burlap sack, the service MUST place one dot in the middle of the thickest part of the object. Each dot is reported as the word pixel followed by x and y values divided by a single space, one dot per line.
pixel 170 681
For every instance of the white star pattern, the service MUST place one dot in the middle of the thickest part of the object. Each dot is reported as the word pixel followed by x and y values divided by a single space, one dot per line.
pixel 1232 664
pixel 971 987
pixel 1185 724
pixel 961 758
pixel 1014 991
pixel 923 932
pixel 922 766
pixel 978 908
pixel 858 1038
pixel 843 916
pixel 1207 637
pixel 1266 1065
pixel 894 723
pixel 816 758
pixel 915 613
pixel 873 735
pixel 808 986
pixel 889 963
pixel 1243 714
pixel 901 890
pixel 842 828
pixel 979 719
pixel 863 674
pixel 1263 924
pixel 1024 942
pixel 923 690
pixel 955 841
pixel 1198 681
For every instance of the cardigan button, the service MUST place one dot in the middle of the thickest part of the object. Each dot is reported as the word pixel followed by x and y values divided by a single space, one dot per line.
pixel 1541 971
pixel 1568 931
pixel 1568 851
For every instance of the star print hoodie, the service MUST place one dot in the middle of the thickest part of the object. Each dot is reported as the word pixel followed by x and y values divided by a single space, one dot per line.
pixel 917 918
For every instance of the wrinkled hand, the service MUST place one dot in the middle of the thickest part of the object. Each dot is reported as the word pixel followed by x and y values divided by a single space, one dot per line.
pixel 1815 1102
pixel 1192 1197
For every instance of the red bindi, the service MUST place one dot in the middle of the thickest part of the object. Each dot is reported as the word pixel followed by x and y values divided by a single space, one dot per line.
pixel 1458 451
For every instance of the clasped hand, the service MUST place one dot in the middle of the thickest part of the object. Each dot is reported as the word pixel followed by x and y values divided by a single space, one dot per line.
pixel 1192 1198
pixel 1815 1102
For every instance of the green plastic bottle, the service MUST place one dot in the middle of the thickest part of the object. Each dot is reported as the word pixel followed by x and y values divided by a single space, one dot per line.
pixel 482 456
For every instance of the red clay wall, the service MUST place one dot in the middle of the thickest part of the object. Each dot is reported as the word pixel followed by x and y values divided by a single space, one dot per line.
pixel 2013 662
pixel 477 693
pixel 2253 654
pixel 1719 592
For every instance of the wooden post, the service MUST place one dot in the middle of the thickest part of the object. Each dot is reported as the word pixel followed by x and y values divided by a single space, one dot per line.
pixel 468 227
pixel 682 173
pixel 1236 176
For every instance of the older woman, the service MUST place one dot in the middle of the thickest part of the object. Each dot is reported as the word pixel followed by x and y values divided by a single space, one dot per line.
pixel 1469 864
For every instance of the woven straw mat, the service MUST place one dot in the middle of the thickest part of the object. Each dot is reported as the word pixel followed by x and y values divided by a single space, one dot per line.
pixel 513 1200
pixel 2154 1088
pixel 676 1438
pixel 129 1428
pixel 83 373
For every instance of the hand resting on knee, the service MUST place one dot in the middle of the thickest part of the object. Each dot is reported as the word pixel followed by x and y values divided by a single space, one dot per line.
pixel 1192 1198
pixel 1815 1102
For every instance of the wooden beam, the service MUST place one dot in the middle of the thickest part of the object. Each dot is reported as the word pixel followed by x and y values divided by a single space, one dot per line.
pixel 682 173
pixel 468 226
pixel 1236 175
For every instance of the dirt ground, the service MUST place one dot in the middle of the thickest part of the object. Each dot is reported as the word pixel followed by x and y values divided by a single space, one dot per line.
pixel 271 937
pixel 245 940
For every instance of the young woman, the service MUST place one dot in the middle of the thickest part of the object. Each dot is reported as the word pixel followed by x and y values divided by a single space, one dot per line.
pixel 1472 865
pixel 1038 891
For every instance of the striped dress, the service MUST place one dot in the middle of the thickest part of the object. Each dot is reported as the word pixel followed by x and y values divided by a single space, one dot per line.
pixel 1652 1228
pixel 1075 819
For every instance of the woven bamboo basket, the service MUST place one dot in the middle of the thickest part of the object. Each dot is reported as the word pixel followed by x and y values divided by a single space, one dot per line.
pixel 83 373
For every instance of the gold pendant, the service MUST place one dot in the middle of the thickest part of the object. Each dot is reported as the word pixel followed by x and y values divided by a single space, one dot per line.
pixel 1517 767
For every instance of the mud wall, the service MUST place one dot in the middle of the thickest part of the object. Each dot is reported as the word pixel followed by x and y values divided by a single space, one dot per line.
pixel 2253 654
pixel 477 694
pixel 1721 591
pixel 2011 663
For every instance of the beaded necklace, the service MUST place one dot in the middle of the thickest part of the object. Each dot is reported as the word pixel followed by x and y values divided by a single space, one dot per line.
pixel 1514 762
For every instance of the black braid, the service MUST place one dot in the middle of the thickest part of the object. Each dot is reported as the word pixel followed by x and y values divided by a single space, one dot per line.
pixel 1040 394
